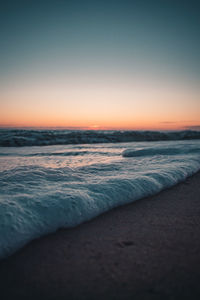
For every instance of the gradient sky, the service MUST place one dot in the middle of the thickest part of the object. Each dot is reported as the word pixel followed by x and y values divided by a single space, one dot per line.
pixel 100 64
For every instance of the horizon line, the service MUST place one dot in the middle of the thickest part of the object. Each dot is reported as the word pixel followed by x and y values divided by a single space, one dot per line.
pixel 97 128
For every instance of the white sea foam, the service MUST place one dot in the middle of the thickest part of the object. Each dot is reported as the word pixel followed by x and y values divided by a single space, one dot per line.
pixel 45 188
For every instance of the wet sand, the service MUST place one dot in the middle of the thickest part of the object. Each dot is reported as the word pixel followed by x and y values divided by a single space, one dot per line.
pixel 146 250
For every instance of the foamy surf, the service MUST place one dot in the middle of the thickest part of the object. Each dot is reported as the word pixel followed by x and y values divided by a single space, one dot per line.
pixel 46 188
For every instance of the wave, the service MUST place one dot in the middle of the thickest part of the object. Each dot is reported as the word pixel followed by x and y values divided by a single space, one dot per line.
pixel 36 200
pixel 46 188
pixel 158 151
pixel 66 153
pixel 19 138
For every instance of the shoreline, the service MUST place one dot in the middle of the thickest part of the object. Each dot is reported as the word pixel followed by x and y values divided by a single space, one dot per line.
pixel 149 249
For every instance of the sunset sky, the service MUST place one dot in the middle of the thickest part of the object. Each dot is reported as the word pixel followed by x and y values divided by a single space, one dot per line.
pixel 100 64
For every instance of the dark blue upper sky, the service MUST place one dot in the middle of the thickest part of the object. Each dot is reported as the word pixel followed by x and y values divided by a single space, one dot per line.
pixel 128 33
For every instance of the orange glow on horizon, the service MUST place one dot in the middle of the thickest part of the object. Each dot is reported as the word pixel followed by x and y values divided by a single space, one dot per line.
pixel 108 126
pixel 95 105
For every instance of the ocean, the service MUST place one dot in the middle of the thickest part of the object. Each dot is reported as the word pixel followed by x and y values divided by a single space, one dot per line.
pixel 60 178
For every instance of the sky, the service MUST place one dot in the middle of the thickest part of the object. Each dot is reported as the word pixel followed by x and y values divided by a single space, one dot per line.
pixel 100 64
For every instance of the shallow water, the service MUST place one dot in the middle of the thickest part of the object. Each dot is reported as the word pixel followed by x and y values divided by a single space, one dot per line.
pixel 43 188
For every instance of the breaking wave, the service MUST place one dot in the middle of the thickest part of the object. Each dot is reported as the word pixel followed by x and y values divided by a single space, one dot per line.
pixel 158 151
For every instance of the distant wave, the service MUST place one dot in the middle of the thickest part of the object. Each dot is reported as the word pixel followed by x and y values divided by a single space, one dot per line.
pixel 19 138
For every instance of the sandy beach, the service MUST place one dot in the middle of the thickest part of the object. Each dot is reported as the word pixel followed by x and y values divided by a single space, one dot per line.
pixel 149 249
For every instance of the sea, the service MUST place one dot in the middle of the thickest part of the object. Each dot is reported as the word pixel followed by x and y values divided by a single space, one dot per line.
pixel 51 179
